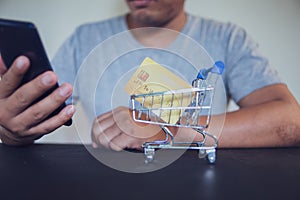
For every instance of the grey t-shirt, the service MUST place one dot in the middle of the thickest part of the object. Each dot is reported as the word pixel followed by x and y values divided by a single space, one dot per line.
pixel 246 69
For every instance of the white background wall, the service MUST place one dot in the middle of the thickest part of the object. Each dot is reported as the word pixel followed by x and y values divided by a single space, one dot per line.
pixel 275 24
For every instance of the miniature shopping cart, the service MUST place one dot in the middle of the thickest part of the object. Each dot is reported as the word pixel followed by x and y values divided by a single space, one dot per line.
pixel 185 108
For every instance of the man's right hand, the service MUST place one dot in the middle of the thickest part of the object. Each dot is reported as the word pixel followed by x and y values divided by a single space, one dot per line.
pixel 20 122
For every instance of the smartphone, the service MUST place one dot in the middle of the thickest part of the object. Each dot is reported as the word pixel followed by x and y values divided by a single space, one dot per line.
pixel 22 38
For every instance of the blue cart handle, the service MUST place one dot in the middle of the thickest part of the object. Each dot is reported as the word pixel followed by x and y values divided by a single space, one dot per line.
pixel 218 68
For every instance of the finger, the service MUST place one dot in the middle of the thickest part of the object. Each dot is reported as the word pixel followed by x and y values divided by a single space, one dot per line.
pixel 39 111
pixel 53 123
pixel 100 124
pixel 96 129
pixel 128 126
pixel 108 126
pixel 20 137
pixel 28 93
pixel 124 141
pixel 13 77
pixel 114 145
pixel 115 112
pixel 15 140
pixel 104 131
pixel 107 135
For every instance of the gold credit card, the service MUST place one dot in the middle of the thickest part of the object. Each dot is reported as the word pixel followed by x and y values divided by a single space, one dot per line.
pixel 152 78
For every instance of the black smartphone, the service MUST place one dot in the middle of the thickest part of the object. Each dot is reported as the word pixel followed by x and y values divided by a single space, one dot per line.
pixel 22 38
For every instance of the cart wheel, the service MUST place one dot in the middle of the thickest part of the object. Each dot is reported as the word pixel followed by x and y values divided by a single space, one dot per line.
pixel 211 157
pixel 149 153
pixel 202 153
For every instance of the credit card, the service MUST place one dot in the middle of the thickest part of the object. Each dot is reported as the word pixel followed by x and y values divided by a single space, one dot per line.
pixel 152 78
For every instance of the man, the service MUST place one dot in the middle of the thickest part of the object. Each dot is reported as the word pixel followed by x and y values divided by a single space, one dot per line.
pixel 268 115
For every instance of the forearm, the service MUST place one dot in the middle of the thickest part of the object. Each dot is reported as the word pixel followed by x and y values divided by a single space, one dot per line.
pixel 276 123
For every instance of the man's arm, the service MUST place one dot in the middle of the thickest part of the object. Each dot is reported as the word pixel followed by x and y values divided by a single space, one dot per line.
pixel 268 117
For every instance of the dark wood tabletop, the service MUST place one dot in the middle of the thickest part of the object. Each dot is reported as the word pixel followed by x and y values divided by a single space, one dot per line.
pixel 54 171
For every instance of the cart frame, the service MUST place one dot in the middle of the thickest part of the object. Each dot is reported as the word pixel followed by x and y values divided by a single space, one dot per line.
pixel 160 108
pixel 198 104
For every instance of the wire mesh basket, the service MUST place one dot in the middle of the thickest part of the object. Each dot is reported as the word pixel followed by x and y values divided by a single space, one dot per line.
pixel 184 108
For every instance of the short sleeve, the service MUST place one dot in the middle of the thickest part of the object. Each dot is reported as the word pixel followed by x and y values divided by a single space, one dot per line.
pixel 247 69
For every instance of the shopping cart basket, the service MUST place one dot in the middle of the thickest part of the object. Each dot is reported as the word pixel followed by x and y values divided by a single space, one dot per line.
pixel 185 108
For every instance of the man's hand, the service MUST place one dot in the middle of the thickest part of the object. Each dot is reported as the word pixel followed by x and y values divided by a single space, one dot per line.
pixel 20 122
pixel 116 130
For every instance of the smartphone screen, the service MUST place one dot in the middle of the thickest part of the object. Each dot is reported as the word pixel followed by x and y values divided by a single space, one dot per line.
pixel 22 38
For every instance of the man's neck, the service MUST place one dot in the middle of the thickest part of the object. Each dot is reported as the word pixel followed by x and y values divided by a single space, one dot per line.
pixel 158 36
pixel 176 24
